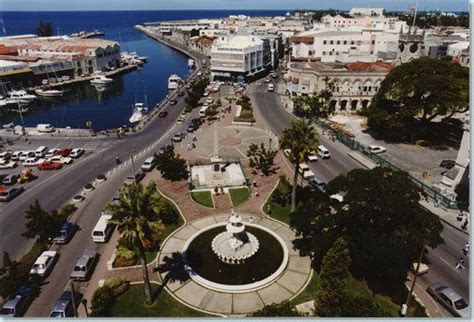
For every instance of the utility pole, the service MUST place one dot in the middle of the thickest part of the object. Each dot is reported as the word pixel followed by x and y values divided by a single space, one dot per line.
pixel 73 299
pixel 412 287
pixel 133 168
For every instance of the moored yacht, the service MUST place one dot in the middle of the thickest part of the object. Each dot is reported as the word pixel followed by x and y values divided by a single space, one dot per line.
pixel 22 95
pixel 49 92
pixel 174 81
pixel 139 113
pixel 101 80
pixel 190 63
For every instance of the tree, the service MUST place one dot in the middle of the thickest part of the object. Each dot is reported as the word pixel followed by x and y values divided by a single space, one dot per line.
pixel 301 138
pixel 334 271
pixel 133 215
pixel 102 301
pixel 276 310
pixel 261 158
pixel 44 29
pixel 417 93
pixel 171 166
pixel 196 92
pixel 381 220
pixel 41 224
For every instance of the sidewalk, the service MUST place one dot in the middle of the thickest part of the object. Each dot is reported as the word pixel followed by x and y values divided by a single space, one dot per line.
pixel 448 216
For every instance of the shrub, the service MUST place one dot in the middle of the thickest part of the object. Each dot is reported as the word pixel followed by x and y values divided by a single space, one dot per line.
pixel 102 301
pixel 168 214
pixel 125 253
pixel 119 285
pixel 281 198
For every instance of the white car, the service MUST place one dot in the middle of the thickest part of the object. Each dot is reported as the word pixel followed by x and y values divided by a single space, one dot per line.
pixel 4 164
pixel 51 153
pixel 305 171
pixel 199 73
pixel 210 100
pixel 44 263
pixel 60 159
pixel 376 149
pixel 206 94
pixel 5 155
pixel 76 153
pixel 30 162
pixel 16 155
pixel 27 155
pixel 180 120
pixel 312 157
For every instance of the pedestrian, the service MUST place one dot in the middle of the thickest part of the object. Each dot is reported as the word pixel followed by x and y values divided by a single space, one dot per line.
pixel 222 190
pixel 254 183
pixel 436 202
pixel 466 222
pixel 194 138
pixel 216 190
pixel 256 192
pixel 460 215
pixel 251 219
pixel 189 146
pixel 460 264
pixel 465 250
pixel 193 145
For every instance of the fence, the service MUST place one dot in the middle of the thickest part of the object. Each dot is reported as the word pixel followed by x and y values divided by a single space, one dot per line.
pixel 431 192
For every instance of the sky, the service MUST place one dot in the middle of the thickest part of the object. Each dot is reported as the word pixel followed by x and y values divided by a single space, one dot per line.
pixel 64 5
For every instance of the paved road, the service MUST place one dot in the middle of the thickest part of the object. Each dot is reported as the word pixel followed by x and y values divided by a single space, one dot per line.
pixel 442 259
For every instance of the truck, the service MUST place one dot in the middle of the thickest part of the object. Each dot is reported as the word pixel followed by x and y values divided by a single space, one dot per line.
pixel 46 128
pixel 270 87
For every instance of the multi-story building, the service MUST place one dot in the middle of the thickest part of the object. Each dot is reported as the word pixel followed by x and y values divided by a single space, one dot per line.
pixel 354 84
pixel 233 56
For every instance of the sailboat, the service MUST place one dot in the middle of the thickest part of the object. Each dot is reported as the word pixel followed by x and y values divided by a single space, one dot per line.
pixel 48 91
pixel 140 110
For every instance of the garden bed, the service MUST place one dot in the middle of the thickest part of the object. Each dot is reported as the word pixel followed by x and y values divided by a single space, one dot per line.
pixel 204 198
pixel 239 196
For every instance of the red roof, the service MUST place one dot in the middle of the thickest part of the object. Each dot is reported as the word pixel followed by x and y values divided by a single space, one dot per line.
pixel 369 67
pixel 4 50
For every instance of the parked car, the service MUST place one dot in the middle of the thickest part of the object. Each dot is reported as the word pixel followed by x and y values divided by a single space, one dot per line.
pixel 30 162
pixel 181 93
pixel 447 164
pixel 10 193
pixel 5 155
pixel 76 153
pixel 191 128
pixel 177 137
pixel 268 80
pixel 305 171
pixel 180 120
pixel 11 179
pixel 130 179
pixel 312 157
pixel 18 303
pixel 199 73
pixel 450 299
pixel 49 165
pixel 163 114
pixel 317 183
pixel 149 164
pixel 85 265
pixel 5 164
pixel 173 102
pixel 44 263
pixel 65 233
pixel 60 159
pixel 51 153
pixel 16 155
pixel 64 306
pixel 376 149
pixel 27 155
pixel 64 152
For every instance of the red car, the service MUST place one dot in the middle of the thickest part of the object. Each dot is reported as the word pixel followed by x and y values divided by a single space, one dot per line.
pixel 48 165
pixel 64 152
pixel 163 114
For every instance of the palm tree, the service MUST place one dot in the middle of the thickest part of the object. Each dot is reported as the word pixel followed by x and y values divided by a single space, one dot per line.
pixel 301 138
pixel 135 217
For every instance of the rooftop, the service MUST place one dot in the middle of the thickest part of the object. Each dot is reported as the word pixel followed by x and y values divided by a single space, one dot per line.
pixel 240 42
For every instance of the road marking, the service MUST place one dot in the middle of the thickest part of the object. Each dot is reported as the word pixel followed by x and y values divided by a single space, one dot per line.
pixel 450 265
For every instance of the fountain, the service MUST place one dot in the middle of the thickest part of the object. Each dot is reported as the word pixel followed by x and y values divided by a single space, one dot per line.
pixel 235 245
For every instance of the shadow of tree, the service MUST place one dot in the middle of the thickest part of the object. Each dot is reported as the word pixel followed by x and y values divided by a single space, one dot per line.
pixel 173 269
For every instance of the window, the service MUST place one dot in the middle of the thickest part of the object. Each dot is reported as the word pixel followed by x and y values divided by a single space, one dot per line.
pixel 331 42
pixel 352 42
pixel 325 42
pixel 338 42
pixel 373 42
pixel 345 42
pixel 324 53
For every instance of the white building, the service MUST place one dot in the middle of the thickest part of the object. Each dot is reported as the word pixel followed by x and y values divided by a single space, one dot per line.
pixel 354 84
pixel 237 55
pixel 455 50
pixel 367 12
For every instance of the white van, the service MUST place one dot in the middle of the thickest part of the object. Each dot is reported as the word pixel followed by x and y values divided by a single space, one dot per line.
pixel 323 152
pixel 48 128
pixel 41 151
pixel 103 229
pixel 203 110
pixel 270 87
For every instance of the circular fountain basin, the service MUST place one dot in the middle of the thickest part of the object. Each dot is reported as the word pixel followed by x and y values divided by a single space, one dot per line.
pixel 207 269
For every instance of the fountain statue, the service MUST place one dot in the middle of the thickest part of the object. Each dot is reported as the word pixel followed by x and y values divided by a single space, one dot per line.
pixel 235 245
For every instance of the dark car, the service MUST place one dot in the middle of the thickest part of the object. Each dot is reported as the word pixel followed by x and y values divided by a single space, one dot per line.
pixel 181 93
pixel 10 179
pixel 10 193
pixel 317 183
pixel 65 233
pixel 173 102
pixel 64 152
pixel 447 164
pixel 197 122
pixel 191 128
pixel 163 114
pixel 64 306
pixel 17 304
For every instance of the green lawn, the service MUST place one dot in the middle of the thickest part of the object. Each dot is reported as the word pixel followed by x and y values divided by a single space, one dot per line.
pixel 308 293
pixel 239 195
pixel 203 198
pixel 276 210
pixel 132 304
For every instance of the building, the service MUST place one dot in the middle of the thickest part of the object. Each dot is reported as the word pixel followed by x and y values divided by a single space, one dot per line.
pixel 410 46
pixel 233 56
pixel 367 12
pixel 202 44
pixel 354 83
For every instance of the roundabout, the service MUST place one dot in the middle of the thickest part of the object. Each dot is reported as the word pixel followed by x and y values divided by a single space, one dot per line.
pixel 235 264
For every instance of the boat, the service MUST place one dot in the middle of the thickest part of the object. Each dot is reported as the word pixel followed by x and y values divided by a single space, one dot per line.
pixel 174 81
pixel 8 126
pixel 190 63
pixel 139 113
pixel 20 109
pixel 22 95
pixel 101 80
pixel 45 92
pixel 12 101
